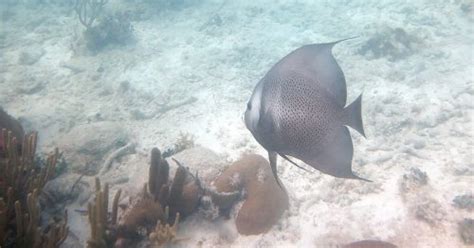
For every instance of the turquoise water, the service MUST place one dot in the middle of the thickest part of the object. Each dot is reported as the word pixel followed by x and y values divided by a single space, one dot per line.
pixel 142 74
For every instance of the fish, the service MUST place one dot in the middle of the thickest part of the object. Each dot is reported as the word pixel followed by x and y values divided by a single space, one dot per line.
pixel 370 244
pixel 298 109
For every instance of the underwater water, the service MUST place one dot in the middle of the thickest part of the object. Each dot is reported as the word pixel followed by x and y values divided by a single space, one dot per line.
pixel 106 81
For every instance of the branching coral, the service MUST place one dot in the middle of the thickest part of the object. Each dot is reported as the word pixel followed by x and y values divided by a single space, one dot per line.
pixel 161 202
pixel 164 233
pixel 88 11
pixel 182 195
pixel 102 234
pixel 9 123
pixel 21 180
pixel 110 29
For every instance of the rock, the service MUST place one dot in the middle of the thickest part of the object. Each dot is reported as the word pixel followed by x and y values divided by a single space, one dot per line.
pixel 202 160
pixel 86 146
pixel 31 89
pixel 265 201
pixel 30 57
pixel 60 190
pixel 466 230
pixel 465 201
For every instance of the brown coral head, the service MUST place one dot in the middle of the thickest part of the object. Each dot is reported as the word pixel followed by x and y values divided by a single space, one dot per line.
pixel 184 193
pixel 265 201
pixel 145 213
pixel 158 173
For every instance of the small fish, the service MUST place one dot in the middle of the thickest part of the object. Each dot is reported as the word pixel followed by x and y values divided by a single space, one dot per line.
pixel 298 109
pixel 370 244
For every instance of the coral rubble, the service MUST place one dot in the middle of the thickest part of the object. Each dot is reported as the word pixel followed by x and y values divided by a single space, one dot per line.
pixel 416 193
pixel 265 201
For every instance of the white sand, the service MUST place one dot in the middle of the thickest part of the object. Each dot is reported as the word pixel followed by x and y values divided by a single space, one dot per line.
pixel 417 110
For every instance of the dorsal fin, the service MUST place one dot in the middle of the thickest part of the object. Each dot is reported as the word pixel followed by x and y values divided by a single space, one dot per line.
pixel 317 61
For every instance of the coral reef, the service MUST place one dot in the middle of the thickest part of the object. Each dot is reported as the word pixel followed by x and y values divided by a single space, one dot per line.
pixel 21 181
pixel 162 201
pixel 142 215
pixel 265 201
pixel 164 233
pixel 88 11
pixel 111 29
pixel 102 225
pixel 9 123
pixel 158 174
pixel 184 193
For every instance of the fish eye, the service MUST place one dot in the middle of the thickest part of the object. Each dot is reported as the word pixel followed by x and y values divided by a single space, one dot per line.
pixel 249 106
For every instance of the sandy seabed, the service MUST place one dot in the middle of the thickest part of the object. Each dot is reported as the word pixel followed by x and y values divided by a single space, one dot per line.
pixel 417 107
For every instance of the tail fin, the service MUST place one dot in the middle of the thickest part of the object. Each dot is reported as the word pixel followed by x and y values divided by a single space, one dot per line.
pixel 353 115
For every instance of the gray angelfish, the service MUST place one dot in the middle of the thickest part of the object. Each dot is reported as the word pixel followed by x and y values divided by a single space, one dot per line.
pixel 298 109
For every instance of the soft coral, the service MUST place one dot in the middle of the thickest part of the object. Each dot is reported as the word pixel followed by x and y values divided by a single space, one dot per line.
pixel 9 123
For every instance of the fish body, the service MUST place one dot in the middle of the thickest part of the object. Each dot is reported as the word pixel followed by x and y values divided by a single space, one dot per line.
pixel 298 109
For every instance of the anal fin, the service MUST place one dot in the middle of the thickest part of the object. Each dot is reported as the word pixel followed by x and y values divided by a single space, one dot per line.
pixel 336 157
